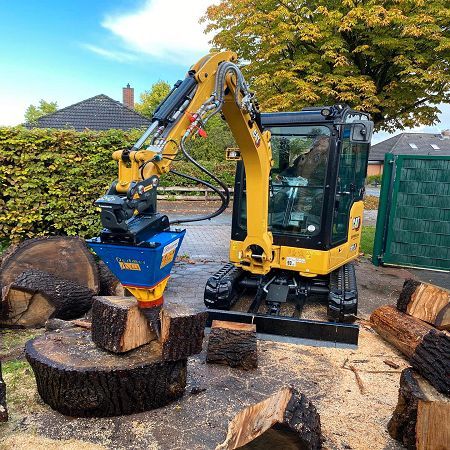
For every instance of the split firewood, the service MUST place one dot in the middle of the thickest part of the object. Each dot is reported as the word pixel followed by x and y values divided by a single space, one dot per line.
pixel 182 331
pixel 3 408
pixel 427 349
pixel 232 344
pixel 62 256
pixel 426 302
pixel 422 416
pixel 109 284
pixel 118 325
pixel 286 417
pixel 36 296
pixel 78 379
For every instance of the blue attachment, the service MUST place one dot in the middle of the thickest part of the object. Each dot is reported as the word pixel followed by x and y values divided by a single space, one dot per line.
pixel 143 265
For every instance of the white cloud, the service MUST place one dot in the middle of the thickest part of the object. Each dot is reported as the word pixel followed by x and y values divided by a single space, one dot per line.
pixel 110 54
pixel 166 29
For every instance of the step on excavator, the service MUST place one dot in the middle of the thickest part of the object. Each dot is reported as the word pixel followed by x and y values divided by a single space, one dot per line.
pixel 297 207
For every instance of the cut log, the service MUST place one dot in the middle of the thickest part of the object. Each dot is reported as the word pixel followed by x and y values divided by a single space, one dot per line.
pixel 118 325
pixel 286 410
pixel 76 378
pixel 426 302
pixel 109 284
pixel 182 331
pixel 58 324
pixel 64 257
pixel 3 408
pixel 422 417
pixel 36 296
pixel 232 344
pixel 427 349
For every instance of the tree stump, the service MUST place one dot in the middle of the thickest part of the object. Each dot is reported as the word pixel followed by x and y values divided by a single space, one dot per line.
pixel 3 408
pixel 36 296
pixel 76 378
pixel 427 349
pixel 182 331
pixel 426 302
pixel 64 257
pixel 233 344
pixel 109 284
pixel 422 417
pixel 118 325
pixel 285 410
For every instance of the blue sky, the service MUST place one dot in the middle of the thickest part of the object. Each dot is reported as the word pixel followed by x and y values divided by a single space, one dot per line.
pixel 67 51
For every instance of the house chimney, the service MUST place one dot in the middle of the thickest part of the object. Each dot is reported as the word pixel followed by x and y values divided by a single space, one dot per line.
pixel 128 96
pixel 445 134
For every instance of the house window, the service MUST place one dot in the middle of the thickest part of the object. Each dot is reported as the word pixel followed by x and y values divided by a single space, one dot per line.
pixel 435 147
pixel 412 145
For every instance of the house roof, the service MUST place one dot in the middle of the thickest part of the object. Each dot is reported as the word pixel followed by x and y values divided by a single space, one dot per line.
pixel 411 144
pixel 96 113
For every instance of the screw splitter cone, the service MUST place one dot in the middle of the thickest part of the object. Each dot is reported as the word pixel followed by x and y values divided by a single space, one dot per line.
pixel 152 315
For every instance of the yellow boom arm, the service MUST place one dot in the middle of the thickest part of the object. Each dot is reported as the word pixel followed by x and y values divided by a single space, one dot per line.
pixel 219 86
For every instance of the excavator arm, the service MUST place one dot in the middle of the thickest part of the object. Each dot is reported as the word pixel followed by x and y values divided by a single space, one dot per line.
pixel 215 84
pixel 128 211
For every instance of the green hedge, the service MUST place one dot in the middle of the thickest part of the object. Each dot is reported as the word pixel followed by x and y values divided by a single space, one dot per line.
pixel 49 179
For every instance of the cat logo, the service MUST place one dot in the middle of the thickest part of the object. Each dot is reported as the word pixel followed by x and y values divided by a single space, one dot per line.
pixel 356 223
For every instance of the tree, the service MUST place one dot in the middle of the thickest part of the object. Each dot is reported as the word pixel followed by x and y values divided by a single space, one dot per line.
pixel 152 98
pixel 388 57
pixel 34 112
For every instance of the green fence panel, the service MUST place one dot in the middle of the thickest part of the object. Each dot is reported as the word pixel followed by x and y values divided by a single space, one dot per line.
pixel 413 223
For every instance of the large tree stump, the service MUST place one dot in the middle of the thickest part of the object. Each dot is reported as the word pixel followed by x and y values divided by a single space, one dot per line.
pixel 232 344
pixel 118 325
pixel 3 408
pixel 36 296
pixel 182 331
pixel 421 419
pixel 64 257
pixel 426 302
pixel 77 378
pixel 109 284
pixel 286 410
pixel 427 349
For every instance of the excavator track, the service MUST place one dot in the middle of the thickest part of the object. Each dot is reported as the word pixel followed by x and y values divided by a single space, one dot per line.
pixel 343 296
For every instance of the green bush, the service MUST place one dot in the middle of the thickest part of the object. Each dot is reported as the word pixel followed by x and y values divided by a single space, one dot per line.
pixel 49 179
pixel 374 179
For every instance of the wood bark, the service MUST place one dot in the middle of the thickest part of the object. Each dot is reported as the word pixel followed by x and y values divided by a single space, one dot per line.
pixel 76 378
pixel 36 296
pixel 64 257
pixel 427 349
pixel 3 407
pixel 422 416
pixel 182 331
pixel 426 302
pixel 233 344
pixel 109 284
pixel 118 325
pixel 286 410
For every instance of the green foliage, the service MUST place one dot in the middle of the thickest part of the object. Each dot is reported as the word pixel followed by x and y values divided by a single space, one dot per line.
pixel 152 98
pixel 387 57
pixel 373 179
pixel 34 112
pixel 49 179
pixel 367 239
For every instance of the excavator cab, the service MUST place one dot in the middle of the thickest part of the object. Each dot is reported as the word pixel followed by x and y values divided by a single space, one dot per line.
pixel 316 188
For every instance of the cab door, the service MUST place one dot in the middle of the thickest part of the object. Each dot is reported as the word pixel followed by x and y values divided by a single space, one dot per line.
pixel 351 177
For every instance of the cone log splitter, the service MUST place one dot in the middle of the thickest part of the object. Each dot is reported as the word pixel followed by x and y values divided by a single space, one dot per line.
pixel 297 205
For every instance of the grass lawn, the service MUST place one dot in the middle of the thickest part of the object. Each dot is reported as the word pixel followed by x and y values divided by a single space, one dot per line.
pixel 367 238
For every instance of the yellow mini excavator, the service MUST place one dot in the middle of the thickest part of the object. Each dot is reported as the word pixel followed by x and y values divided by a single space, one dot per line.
pixel 297 209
